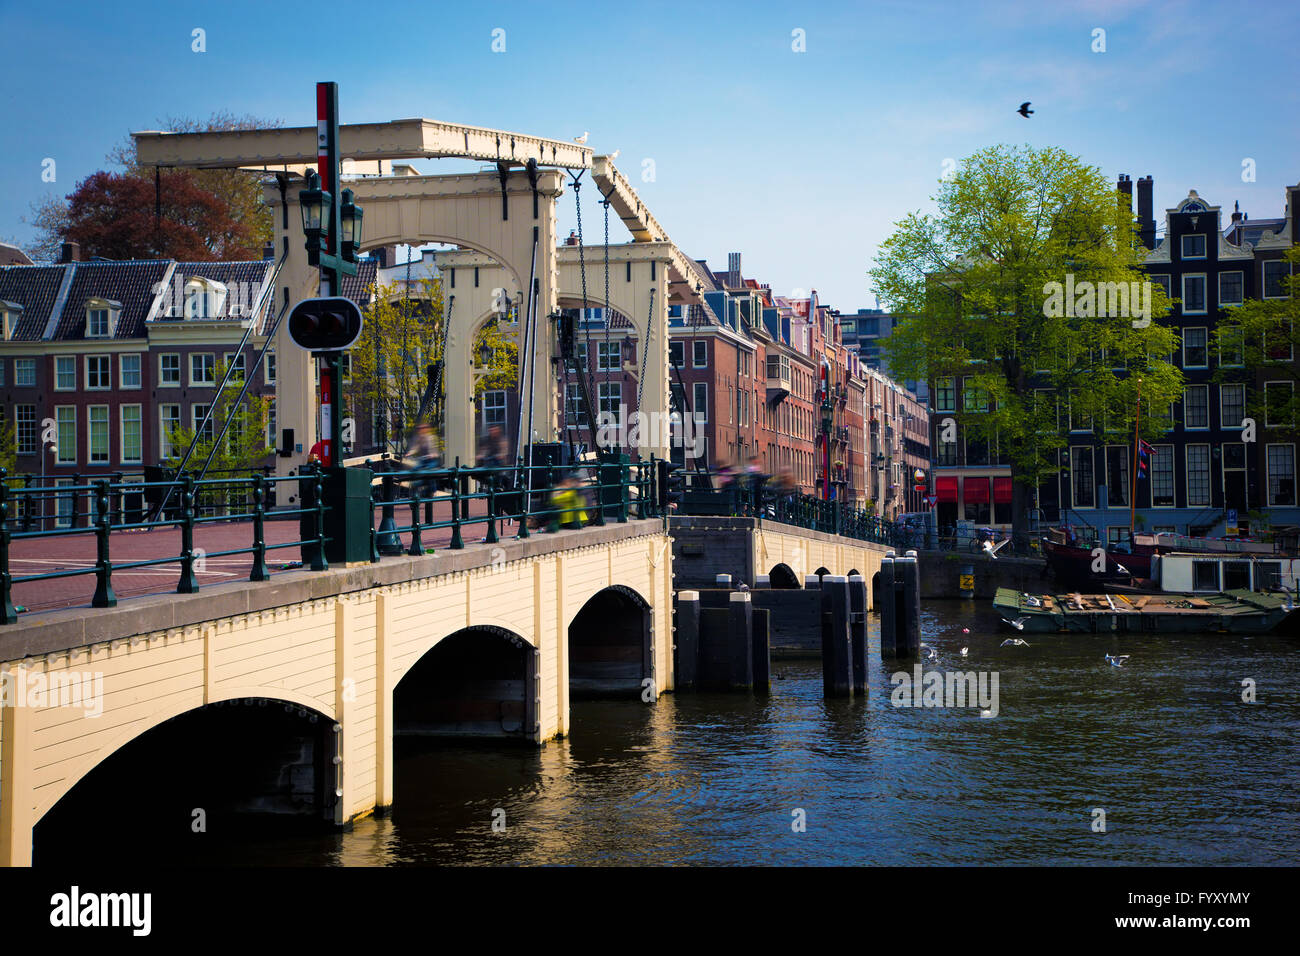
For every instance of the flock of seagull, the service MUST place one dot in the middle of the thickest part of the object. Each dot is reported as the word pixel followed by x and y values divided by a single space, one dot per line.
pixel 1114 660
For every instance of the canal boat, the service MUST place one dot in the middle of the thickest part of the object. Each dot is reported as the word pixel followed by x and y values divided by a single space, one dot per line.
pixel 1239 611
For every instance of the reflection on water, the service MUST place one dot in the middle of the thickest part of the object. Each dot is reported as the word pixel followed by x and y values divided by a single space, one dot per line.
pixel 1185 771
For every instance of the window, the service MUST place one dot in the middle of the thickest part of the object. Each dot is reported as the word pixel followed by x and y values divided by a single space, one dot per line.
pixel 1205 575
pixel 1232 346
pixel 1268 575
pixel 270 367
pixel 945 395
pixel 131 435
pixel 1194 247
pixel 98 372
pixel 169 369
pixel 1163 282
pixel 1198 476
pixel 609 395
pixel 270 424
pixel 97 324
pixel 129 371
pixel 677 354
pixel 1162 476
pixel 494 407
pixel 1277 404
pixel 203 369
pixel 973 398
pixel 63 504
pixel 1231 288
pixel 1232 405
pixel 236 365
pixel 1281 474
pixel 609 356
pixel 65 373
pixel 947 453
pixel 24 372
pixel 25 429
pixel 1194 294
pixel 701 354
pixel 1196 406
pixel 1117 476
pixel 1117 535
pixel 573 405
pixel 345 367
pixel 65 420
pixel 1274 273
pixel 1236 575
pixel 97 435
pixel 1081 480
pixel 169 419
pixel 700 402
pixel 1195 353
pixel 197 413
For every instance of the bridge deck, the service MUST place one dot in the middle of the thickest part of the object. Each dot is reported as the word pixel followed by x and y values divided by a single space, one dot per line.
pixel 43 555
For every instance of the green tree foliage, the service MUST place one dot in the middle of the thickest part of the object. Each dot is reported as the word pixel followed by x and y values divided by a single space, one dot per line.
pixel 244 447
pixel 976 282
pixel 1257 345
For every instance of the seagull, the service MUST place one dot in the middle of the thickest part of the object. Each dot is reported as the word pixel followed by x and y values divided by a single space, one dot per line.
pixel 1018 624
pixel 986 713
pixel 991 549
pixel 930 653
pixel 581 140
pixel 1116 660
pixel 742 586
pixel 1024 109
pixel 1014 642
pixel 964 650
pixel 1122 570
pixel 614 155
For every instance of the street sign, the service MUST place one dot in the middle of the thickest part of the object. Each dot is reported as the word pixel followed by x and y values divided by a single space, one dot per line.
pixel 328 324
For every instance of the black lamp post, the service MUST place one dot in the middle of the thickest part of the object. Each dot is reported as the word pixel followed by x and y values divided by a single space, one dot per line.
pixel 828 417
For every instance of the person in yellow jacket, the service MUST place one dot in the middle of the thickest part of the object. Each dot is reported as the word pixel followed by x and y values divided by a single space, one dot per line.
pixel 567 502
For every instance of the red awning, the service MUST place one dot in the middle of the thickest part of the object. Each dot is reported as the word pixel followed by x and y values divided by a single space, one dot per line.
pixel 977 491
pixel 945 488
pixel 1002 491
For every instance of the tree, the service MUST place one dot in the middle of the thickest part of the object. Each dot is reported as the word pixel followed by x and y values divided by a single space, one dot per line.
pixel 1258 343
pixel 238 194
pixel 113 216
pixel 1019 290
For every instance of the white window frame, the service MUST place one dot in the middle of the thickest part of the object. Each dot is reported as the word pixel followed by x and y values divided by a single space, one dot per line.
pixel 490 403
pixel 196 383
pixel 680 346
pixel 59 457
pixel 1205 346
pixel 162 370
pixel 1232 272
pixel 196 419
pixel 121 433
pixel 121 371
pixel 165 449
pixel 1205 293
pixel 22 365
pixel 700 417
pixel 1241 352
pixel 1263 277
pixel 237 364
pixel 268 367
pixel 1268 473
pixel 65 360
pixel 1173 475
pixel 105 362
pixel 1196 428
pixel 1187 475
pixel 90 436
pixel 1224 419
pixel 108 323
pixel 1205 246
pixel 700 347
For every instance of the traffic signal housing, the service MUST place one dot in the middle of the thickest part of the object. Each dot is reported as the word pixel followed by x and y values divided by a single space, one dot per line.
pixel 328 324
pixel 672 484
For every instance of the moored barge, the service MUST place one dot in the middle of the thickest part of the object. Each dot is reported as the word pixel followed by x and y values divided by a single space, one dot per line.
pixel 1235 612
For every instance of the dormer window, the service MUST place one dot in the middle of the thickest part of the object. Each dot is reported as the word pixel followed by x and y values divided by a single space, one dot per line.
pixel 101 318
pixel 204 298
pixel 10 313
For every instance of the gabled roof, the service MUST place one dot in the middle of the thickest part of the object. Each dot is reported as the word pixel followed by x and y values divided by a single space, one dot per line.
pixel 131 283
pixel 35 288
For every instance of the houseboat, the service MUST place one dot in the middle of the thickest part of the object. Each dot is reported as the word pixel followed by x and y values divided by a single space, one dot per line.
pixel 1235 612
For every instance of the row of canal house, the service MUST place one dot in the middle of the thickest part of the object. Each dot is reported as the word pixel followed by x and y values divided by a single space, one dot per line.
pixel 1202 475
pixel 116 355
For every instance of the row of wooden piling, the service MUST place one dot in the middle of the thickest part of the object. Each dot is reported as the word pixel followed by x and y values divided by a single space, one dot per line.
pixel 898 599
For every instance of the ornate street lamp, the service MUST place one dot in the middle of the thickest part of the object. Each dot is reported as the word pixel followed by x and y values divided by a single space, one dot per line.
pixel 350 219
pixel 315 204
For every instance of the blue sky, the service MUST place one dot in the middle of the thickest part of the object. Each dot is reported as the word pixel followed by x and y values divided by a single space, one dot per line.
pixel 800 161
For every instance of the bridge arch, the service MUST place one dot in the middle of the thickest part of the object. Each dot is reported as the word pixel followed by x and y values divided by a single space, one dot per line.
pixel 222 767
pixel 611 644
pixel 782 576
pixel 479 681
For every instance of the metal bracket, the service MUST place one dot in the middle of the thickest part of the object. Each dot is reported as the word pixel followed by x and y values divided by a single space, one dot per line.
pixel 532 181
pixel 503 170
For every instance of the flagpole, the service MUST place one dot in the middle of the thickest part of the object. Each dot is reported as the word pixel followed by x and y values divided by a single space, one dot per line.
pixel 1133 488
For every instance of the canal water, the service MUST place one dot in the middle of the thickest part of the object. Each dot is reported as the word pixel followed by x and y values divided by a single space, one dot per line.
pixel 1184 771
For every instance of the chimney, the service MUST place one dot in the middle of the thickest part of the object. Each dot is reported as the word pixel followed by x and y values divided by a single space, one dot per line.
pixel 573 238
pixel 1146 213
pixel 1236 211
pixel 1125 187
pixel 71 252
pixel 268 250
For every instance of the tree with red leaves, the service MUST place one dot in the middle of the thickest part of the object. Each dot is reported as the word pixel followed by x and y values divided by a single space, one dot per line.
pixel 115 216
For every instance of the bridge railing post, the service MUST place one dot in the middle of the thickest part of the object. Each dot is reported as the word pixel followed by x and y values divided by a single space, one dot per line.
pixel 318 560
pixel 104 596
pixel 388 540
pixel 374 500
pixel 8 614
pixel 76 503
pixel 522 485
pixel 490 537
pixel 259 570
pixel 187 584
pixel 459 488
pixel 417 545
pixel 552 513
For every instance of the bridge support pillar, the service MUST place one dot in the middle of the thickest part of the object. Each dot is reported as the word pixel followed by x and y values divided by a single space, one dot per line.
pixel 15 774
pixel 383 703
pixel 837 656
pixel 686 640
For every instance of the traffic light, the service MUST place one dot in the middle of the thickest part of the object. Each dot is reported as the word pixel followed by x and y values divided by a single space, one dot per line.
pixel 325 325
pixel 672 483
